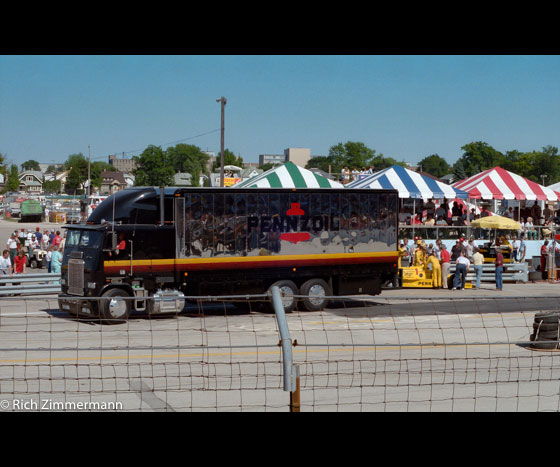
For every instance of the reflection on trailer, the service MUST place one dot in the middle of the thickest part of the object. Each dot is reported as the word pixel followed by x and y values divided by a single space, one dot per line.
pixel 151 243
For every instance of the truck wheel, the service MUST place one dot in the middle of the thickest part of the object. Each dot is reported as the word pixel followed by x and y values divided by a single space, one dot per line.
pixel 288 290
pixel 316 291
pixel 114 310
pixel 33 263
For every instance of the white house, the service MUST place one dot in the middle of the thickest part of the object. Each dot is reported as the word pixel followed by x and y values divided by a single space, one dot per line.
pixel 31 181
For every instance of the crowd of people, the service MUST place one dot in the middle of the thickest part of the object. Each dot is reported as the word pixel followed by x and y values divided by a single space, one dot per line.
pixel 457 214
pixel 347 175
pixel 21 244
pixel 465 254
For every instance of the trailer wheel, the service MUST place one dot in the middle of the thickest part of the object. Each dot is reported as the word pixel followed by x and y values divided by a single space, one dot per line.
pixel 316 291
pixel 114 310
pixel 288 290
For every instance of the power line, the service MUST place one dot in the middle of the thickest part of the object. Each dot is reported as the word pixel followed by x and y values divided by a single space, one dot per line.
pixel 171 142
pixel 139 150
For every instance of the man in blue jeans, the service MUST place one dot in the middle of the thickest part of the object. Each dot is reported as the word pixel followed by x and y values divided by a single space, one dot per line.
pixel 499 270
pixel 478 261
pixel 461 269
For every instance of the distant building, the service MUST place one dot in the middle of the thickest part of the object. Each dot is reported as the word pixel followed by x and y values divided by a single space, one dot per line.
pixel 111 182
pixel 211 160
pixel 62 176
pixel 448 179
pixel 299 156
pixel 122 165
pixel 182 179
pixel 44 167
pixel 31 181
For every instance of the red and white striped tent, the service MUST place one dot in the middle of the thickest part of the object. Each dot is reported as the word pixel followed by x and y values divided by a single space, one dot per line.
pixel 498 183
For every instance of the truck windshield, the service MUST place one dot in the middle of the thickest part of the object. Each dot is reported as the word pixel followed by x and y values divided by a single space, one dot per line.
pixel 88 241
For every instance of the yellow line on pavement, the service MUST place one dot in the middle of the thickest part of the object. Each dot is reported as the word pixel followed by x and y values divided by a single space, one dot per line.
pixel 350 348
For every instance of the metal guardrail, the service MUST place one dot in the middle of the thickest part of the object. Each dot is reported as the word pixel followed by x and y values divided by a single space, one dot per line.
pixel 28 284
pixel 513 272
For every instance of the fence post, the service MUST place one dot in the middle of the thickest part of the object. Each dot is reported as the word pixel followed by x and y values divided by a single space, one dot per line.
pixel 291 371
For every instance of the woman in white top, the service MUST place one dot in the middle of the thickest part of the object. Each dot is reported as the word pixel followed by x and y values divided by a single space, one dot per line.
pixel 530 229
pixel 515 246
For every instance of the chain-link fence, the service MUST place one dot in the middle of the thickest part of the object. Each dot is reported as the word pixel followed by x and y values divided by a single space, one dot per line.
pixel 359 354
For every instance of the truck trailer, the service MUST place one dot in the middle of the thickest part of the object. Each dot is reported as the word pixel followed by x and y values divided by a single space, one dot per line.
pixel 31 211
pixel 147 249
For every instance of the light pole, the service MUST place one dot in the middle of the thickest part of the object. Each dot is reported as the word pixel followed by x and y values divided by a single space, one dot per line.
pixel 89 171
pixel 223 100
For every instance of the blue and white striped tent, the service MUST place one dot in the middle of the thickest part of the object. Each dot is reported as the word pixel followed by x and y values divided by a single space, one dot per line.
pixel 409 184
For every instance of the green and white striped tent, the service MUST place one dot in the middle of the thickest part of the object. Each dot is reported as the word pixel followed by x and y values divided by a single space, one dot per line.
pixel 288 175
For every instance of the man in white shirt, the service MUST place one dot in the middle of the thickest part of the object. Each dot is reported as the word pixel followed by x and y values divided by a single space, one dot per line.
pixel 12 246
pixel 461 270
pixel 5 264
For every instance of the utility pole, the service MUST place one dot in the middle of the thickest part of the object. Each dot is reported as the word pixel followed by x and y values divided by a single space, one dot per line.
pixel 89 171
pixel 223 100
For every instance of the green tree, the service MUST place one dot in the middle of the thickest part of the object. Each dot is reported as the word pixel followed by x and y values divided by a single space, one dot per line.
pixel 74 182
pixel 95 172
pixel 52 186
pixel 77 164
pixel 153 168
pixel 190 159
pixel 351 154
pixel 435 165
pixel 12 184
pixel 545 162
pixel 30 165
pixel 270 165
pixel 380 162
pixel 3 165
pixel 229 159
pixel 479 156
pixel 459 171
pixel 323 163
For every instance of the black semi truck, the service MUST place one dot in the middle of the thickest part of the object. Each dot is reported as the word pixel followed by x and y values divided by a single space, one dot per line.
pixel 158 246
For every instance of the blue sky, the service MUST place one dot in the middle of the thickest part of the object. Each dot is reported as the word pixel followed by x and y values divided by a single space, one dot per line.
pixel 405 107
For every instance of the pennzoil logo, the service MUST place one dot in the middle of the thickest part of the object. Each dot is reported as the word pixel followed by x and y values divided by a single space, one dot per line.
pixel 295 225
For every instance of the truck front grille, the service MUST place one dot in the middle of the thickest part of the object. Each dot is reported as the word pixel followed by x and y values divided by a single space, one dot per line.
pixel 76 276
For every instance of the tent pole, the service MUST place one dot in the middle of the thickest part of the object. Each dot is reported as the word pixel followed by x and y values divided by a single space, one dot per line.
pixel 413 217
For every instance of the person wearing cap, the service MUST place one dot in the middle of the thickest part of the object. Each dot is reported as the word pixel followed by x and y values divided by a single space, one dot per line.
pixel 12 246
pixel 456 250
pixel 38 235
pixel 34 244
